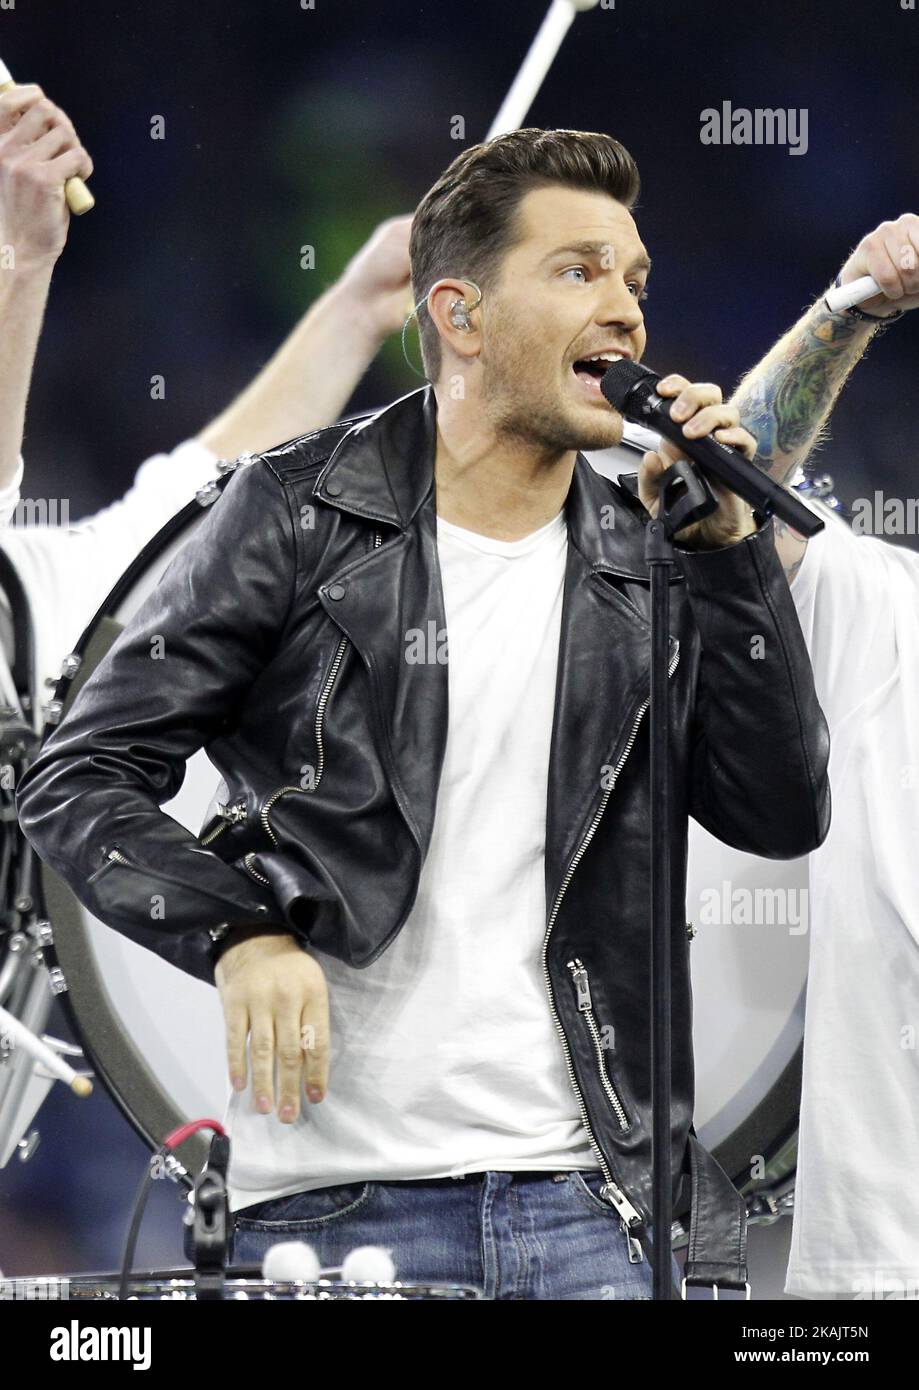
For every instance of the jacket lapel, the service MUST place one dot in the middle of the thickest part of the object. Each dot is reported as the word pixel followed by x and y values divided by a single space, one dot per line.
pixel 392 607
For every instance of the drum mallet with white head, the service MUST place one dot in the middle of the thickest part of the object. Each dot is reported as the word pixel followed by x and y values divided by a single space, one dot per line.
pixel 79 198
pixel 847 296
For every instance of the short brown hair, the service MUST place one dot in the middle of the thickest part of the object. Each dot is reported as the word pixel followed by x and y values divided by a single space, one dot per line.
pixel 467 220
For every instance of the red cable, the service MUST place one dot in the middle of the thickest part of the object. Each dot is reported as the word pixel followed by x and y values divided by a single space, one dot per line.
pixel 178 1136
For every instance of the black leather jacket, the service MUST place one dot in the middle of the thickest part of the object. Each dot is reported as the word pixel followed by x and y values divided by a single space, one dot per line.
pixel 284 626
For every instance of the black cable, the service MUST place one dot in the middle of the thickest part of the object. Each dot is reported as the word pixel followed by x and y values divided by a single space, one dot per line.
pixel 137 1216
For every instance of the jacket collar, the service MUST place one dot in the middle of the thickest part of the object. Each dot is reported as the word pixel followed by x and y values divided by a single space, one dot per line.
pixel 383 470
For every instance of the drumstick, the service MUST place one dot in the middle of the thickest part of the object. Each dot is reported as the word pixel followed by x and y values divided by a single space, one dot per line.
pixel 536 64
pixel 80 1085
pixel 79 198
pixel 847 296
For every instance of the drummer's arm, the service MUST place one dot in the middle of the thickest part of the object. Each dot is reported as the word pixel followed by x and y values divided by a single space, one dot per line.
pixel 786 400
pixel 310 379
pixel 33 229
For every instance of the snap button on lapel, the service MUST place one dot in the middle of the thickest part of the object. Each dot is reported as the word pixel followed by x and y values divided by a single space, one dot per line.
pixel 333 489
pixel 337 591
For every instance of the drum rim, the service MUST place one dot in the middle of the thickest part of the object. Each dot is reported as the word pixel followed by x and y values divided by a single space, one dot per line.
pixel 157 1115
pixel 151 1110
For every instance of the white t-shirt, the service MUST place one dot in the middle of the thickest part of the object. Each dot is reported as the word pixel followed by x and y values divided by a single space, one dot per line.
pixel 444 1054
pixel 856 1219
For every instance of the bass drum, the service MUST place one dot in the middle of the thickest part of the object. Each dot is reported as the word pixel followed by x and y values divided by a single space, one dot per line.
pixel 154 1035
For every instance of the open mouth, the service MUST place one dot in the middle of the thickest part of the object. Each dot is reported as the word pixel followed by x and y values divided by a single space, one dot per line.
pixel 590 370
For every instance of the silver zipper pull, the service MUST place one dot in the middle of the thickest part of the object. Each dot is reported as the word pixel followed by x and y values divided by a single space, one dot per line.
pixel 112 857
pixel 581 984
pixel 614 1194
pixel 633 1245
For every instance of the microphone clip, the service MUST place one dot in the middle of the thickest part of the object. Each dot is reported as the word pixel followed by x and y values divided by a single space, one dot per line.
pixel 685 496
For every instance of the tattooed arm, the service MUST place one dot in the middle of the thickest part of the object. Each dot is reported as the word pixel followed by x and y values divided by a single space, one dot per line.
pixel 787 398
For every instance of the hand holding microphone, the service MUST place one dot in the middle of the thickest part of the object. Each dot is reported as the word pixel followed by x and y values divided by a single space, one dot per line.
pixel 632 389
pixel 700 410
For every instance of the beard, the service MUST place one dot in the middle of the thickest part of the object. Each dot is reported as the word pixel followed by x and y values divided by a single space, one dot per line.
pixel 519 412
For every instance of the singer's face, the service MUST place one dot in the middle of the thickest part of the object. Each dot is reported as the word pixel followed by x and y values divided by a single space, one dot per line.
pixel 568 289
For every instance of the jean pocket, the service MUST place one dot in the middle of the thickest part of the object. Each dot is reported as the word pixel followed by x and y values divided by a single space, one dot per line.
pixel 587 1185
pixel 304 1210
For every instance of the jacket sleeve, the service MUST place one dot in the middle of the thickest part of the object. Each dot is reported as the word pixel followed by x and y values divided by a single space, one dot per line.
pixel 761 744
pixel 165 688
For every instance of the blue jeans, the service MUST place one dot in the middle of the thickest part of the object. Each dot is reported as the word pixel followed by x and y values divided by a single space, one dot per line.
pixel 512 1235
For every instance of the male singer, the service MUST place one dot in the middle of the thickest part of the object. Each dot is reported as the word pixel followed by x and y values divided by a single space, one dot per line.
pixel 417 651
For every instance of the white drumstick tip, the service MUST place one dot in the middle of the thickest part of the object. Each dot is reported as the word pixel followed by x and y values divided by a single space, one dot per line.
pixel 842 297
pixel 291 1261
pixel 368 1264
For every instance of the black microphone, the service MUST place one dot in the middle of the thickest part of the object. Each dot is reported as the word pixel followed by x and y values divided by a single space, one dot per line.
pixel 630 388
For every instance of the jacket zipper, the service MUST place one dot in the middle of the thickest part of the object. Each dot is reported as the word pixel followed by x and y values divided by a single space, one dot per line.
pixel 320 716
pixel 613 1193
pixel 250 868
pixel 230 815
pixel 581 982
pixel 320 708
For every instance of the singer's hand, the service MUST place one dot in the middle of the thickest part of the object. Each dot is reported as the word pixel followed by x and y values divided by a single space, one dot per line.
pixel 274 993
pixel 701 410
pixel 891 254
pixel 39 152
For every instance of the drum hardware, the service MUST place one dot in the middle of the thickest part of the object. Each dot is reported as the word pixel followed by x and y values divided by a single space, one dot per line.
pixel 211 1224
pixel 27 1145
pixel 768 1205
pixel 207 494
pixel 210 1214
pixel 175 1286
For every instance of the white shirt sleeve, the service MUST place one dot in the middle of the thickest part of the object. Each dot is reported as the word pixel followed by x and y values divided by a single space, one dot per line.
pixel 67 570
pixel 857 599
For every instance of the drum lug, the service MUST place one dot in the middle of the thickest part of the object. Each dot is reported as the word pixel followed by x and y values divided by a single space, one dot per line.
pixel 27 1146
pixel 71 665
pixel 44 933
pixel 53 711
pixel 207 494
pixel 56 981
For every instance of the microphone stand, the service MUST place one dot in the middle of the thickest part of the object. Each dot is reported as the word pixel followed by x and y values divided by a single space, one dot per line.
pixel 685 497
